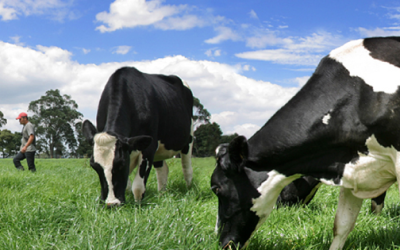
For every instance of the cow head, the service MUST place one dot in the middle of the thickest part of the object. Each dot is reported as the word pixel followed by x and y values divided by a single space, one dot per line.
pixel 111 160
pixel 235 191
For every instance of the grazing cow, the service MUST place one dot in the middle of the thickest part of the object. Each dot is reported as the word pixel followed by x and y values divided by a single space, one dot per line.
pixel 302 191
pixel 142 119
pixel 341 128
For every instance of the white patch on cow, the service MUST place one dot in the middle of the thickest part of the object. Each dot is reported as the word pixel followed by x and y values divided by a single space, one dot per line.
pixel 138 187
pixel 372 174
pixel 326 118
pixel 104 154
pixel 217 225
pixel 270 190
pixel 380 75
pixel 217 150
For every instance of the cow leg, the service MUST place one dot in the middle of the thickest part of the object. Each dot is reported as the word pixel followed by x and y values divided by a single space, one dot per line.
pixel 162 174
pixel 187 168
pixel 378 203
pixel 135 158
pixel 138 185
pixel 187 162
pixel 346 215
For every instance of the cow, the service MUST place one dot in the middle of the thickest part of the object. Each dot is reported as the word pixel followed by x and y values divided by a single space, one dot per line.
pixel 142 119
pixel 302 191
pixel 342 128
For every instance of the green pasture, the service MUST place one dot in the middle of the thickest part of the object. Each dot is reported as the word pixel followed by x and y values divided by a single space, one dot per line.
pixel 58 208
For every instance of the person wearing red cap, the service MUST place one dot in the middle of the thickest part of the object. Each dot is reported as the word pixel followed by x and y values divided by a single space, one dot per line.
pixel 28 142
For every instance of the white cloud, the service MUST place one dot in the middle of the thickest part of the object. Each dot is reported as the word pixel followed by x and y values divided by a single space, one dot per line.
pixel 267 38
pixel 213 52
pixel 122 50
pixel 389 31
pixel 57 9
pixel 135 13
pixel 7 13
pixel 301 81
pixel 180 23
pixel 16 40
pixel 253 14
pixel 224 33
pixel 246 129
pixel 294 50
pixel 85 51
pixel 233 99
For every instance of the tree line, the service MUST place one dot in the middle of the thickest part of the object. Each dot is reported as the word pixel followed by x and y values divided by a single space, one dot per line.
pixel 58 129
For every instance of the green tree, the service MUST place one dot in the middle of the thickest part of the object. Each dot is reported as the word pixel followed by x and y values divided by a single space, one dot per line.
pixel 16 143
pixel 55 116
pixel 207 138
pixel 3 121
pixel 7 145
pixel 228 138
pixel 201 115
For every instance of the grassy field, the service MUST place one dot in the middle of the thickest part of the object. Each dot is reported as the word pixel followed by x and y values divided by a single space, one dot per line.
pixel 58 208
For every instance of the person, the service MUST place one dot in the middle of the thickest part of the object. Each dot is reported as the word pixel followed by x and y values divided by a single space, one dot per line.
pixel 28 141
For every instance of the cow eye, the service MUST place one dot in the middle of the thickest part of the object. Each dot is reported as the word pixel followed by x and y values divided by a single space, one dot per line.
pixel 215 189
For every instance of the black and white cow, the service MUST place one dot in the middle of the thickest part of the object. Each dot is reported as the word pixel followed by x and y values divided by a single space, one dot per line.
pixel 342 128
pixel 141 119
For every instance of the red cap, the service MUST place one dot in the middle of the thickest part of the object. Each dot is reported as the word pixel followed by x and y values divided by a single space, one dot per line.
pixel 22 114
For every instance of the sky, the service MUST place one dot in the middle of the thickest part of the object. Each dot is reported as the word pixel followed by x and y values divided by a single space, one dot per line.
pixel 242 59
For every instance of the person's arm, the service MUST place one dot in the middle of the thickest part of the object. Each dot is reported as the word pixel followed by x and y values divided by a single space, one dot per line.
pixel 30 141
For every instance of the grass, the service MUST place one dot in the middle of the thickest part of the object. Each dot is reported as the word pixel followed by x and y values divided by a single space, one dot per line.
pixel 58 208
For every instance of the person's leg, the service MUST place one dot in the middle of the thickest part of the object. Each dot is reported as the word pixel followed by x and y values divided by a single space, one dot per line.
pixel 17 161
pixel 30 158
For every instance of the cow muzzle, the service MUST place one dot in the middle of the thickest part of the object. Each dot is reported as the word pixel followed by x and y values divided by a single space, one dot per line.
pixel 113 203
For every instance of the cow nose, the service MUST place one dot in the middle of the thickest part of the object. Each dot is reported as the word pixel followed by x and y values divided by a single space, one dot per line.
pixel 113 203
pixel 230 245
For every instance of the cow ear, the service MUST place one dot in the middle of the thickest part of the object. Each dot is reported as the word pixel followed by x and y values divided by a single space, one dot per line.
pixel 88 131
pixel 238 151
pixel 139 142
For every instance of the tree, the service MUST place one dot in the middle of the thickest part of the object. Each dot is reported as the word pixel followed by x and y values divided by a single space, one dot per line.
pixel 84 147
pixel 201 115
pixel 55 116
pixel 8 144
pixel 207 138
pixel 228 138
pixel 3 121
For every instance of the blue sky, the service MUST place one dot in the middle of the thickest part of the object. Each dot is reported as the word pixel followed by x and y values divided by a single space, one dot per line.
pixel 243 59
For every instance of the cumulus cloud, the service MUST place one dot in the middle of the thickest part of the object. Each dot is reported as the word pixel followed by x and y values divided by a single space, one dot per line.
pixel 135 13
pixel 57 9
pixel 233 99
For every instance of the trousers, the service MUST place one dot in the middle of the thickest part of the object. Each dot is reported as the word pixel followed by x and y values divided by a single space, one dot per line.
pixel 30 159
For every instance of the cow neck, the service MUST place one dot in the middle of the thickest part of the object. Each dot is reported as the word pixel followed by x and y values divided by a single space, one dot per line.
pixel 301 128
